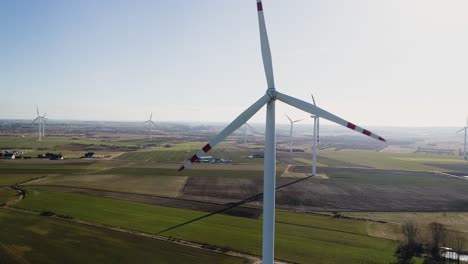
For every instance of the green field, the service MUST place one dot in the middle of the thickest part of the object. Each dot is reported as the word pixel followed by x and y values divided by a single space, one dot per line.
pixel 47 167
pixel 390 178
pixel 382 160
pixel 7 195
pixel 183 151
pixel 57 142
pixel 14 179
pixel 27 238
pixel 308 161
pixel 306 238
pixel 229 172
pixel 142 184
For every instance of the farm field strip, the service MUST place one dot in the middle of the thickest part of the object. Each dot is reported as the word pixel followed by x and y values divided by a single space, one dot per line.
pixel 7 194
pixel 294 243
pixel 169 186
pixel 35 239
pixel 204 206
pixel 382 160
pixel 456 222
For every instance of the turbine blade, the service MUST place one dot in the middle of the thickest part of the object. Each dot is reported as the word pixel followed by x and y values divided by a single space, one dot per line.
pixel 310 108
pixel 290 120
pixel 313 99
pixel 44 115
pixel 233 126
pixel 146 122
pixel 461 130
pixel 37 110
pixel 295 121
pixel 154 124
pixel 151 116
pixel 265 45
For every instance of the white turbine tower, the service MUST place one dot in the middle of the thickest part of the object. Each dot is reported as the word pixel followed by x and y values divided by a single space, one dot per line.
pixel 291 131
pixel 43 122
pixel 150 125
pixel 38 119
pixel 316 139
pixel 270 145
pixel 464 145
pixel 245 134
pixel 246 125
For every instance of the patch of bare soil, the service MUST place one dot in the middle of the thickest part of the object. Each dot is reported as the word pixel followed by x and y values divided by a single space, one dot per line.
pixel 222 187
pixel 356 189
pixel 158 200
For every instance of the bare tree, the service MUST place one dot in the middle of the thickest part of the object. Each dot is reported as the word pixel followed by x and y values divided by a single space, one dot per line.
pixel 410 231
pixel 438 238
pixel 409 247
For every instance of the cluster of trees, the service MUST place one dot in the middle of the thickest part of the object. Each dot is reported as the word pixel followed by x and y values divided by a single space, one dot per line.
pixel 432 249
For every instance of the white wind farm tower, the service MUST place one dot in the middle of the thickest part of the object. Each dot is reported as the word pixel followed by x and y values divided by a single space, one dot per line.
pixel 41 122
pixel 292 122
pixel 316 139
pixel 464 145
pixel 269 99
pixel 150 125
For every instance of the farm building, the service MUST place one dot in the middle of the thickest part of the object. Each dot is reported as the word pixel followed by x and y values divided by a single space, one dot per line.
pixel 211 159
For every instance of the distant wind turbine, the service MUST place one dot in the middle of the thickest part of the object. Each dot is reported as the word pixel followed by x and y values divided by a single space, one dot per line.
pixel 39 120
pixel 246 125
pixel 150 125
pixel 291 131
pixel 315 140
pixel 269 175
pixel 464 145
pixel 43 122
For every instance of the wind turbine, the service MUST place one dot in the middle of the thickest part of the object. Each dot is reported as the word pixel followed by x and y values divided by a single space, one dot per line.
pixel 245 131
pixel 291 131
pixel 38 119
pixel 150 124
pixel 43 122
pixel 464 145
pixel 269 100
pixel 316 139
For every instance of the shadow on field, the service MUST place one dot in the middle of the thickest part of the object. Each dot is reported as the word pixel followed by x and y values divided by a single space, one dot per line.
pixel 229 206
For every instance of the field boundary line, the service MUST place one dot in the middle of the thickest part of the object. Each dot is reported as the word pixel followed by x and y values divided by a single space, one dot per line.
pixel 451 175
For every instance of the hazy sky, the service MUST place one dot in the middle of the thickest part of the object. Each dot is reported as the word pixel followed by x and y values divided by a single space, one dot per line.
pixel 395 63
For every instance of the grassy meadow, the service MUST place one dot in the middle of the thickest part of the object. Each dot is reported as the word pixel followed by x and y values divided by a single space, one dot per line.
pixel 297 240
pixel 383 160
pixel 27 238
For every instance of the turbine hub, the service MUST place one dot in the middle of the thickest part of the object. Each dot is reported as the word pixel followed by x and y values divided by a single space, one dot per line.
pixel 271 92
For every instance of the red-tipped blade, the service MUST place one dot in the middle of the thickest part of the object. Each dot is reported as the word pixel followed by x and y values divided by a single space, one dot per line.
pixel 317 111
pixel 266 53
